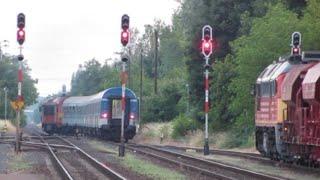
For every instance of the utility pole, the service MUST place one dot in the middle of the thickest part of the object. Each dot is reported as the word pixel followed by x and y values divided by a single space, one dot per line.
pixel 141 74
pixel 156 62
pixel 5 105
pixel 129 70
pixel 188 100
pixel 5 42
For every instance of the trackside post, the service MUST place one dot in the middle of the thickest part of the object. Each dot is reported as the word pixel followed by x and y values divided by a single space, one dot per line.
pixel 206 51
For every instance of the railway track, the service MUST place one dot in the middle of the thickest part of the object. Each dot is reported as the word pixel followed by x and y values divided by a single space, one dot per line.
pixel 206 168
pixel 250 156
pixel 71 161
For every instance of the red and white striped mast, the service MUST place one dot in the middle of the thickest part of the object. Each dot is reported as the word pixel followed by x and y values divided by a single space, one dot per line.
pixel 19 102
pixel 206 51
pixel 125 36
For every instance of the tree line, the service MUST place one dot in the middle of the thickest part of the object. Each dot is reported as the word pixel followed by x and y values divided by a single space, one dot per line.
pixel 249 35
pixel 8 79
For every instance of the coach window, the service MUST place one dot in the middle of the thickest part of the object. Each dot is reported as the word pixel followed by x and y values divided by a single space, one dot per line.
pixel 265 89
pixel 258 89
pixel 273 88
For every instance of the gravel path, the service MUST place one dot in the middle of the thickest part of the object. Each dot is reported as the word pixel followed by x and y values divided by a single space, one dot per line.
pixel 4 150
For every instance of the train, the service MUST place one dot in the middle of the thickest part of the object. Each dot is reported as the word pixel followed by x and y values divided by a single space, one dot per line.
pixel 95 115
pixel 287 109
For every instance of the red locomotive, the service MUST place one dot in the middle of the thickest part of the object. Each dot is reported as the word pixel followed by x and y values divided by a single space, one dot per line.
pixel 287 114
pixel 52 114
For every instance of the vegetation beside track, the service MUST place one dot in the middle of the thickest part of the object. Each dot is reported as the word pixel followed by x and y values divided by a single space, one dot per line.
pixel 138 165
pixel 244 48
pixel 18 163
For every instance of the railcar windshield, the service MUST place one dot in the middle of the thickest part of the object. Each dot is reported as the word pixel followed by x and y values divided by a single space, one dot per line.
pixel 104 105
pixel 48 110
pixel 134 105
pixel 116 109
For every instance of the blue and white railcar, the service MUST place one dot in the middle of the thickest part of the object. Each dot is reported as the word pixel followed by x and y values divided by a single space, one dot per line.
pixel 100 114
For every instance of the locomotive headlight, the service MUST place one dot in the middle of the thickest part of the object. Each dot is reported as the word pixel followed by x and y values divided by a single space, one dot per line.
pixel 132 116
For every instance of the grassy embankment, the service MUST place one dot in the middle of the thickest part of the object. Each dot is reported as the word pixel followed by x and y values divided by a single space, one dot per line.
pixel 151 132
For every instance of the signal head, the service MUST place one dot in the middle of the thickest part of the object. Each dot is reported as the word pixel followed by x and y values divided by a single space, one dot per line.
pixel 206 47
pixel 21 36
pixel 20 57
pixel 21 20
pixel 207 32
pixel 125 37
pixel 125 57
pixel 296 39
pixel 125 22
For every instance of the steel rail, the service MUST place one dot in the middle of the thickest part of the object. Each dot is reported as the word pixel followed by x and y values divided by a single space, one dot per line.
pixel 100 166
pixel 63 171
pixel 213 164
pixel 181 164
pixel 45 145
pixel 251 156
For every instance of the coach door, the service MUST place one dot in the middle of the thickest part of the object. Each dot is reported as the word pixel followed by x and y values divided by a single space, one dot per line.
pixel 116 109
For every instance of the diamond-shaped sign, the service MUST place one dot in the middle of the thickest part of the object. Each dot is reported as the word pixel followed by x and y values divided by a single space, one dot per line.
pixel 17 104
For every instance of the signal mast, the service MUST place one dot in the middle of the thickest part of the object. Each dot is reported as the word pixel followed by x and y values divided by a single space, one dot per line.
pixel 125 36
pixel 206 51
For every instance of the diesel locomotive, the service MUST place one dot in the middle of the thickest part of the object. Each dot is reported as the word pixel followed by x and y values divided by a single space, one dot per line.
pixel 287 108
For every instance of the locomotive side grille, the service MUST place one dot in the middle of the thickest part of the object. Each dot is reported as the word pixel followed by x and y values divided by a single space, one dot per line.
pixel 310 56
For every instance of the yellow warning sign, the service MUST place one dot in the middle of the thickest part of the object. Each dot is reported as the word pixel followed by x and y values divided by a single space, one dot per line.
pixel 17 104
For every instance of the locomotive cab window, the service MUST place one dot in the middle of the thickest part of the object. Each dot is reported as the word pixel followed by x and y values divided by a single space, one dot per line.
pixel 48 110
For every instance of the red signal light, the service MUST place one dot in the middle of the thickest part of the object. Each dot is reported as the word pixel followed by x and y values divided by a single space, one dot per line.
pixel 124 37
pixel 21 36
pixel 207 47
pixel 124 34
pixel 295 51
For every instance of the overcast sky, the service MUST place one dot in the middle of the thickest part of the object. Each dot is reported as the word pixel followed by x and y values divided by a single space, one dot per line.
pixel 61 34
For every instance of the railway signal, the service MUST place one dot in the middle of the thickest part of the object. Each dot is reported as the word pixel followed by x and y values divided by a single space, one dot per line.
pixel 21 24
pixel 207 41
pixel 21 20
pixel 18 104
pixel 125 34
pixel 206 51
pixel 295 44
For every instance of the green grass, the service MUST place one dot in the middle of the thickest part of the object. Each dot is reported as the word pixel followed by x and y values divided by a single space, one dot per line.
pixel 18 163
pixel 137 165
pixel 148 169
pixel 151 134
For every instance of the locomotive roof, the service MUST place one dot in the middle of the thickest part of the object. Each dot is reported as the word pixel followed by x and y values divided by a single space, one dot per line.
pixel 273 71
pixel 53 100
pixel 114 92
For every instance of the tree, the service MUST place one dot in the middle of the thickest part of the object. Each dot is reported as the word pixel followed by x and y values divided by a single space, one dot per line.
pixel 9 78
pixel 87 80
pixel 253 52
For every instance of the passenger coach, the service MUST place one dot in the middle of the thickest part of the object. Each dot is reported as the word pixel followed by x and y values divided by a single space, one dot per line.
pixel 100 114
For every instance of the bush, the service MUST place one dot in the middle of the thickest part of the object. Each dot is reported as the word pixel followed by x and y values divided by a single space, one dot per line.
pixel 162 107
pixel 181 125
